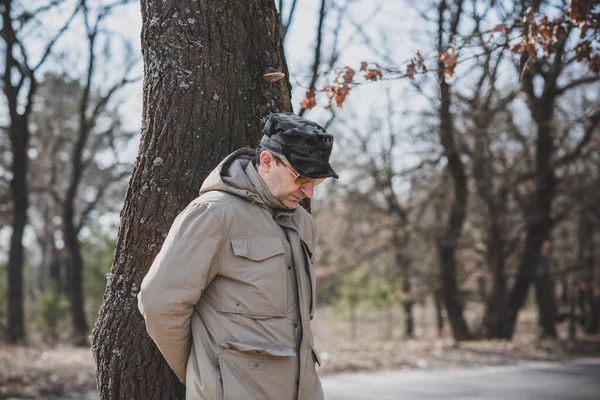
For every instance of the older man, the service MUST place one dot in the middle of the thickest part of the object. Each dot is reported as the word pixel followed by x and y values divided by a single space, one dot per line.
pixel 229 298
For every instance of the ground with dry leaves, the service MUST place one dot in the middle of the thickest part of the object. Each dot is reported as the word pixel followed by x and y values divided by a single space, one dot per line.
pixel 68 373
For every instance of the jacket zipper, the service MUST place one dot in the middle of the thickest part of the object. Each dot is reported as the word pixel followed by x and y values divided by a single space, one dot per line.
pixel 298 314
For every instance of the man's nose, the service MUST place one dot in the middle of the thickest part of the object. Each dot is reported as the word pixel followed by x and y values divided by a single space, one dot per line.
pixel 308 189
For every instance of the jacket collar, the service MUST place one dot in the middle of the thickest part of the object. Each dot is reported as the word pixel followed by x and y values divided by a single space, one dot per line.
pixel 237 175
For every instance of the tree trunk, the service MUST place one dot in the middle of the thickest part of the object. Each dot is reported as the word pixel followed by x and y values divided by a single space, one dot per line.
pixel 590 309
pixel 448 242
pixel 495 306
pixel 451 295
pixel 538 212
pixel 437 298
pixel 407 305
pixel 55 271
pixel 545 300
pixel 75 277
pixel 572 317
pixel 403 268
pixel 592 326
pixel 482 285
pixel 539 219
pixel 525 276
pixel 564 294
pixel 47 245
pixel 204 97
pixel 353 320
pixel 18 132
pixel 496 201
pixel 19 135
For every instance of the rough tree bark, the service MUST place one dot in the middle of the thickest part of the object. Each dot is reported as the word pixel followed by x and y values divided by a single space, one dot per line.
pixel 204 96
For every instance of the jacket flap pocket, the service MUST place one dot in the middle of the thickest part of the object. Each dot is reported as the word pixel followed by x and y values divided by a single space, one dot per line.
pixel 257 249
pixel 264 349
pixel 309 249
pixel 316 355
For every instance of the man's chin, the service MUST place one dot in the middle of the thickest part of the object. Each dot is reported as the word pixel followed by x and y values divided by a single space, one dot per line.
pixel 291 204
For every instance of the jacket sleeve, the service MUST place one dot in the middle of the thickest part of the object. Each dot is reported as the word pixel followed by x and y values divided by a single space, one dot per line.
pixel 187 262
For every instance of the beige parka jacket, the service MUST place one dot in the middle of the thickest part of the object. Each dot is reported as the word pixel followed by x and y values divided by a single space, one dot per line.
pixel 229 298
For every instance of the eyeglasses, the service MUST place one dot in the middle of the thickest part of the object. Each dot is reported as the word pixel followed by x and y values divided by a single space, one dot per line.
pixel 299 179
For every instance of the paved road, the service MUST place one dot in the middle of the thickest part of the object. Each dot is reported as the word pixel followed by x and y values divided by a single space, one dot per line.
pixel 573 380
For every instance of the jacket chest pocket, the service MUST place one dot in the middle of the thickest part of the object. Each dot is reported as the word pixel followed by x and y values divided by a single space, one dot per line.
pixel 254 278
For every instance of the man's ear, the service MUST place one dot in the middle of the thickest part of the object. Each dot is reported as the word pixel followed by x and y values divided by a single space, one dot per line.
pixel 265 159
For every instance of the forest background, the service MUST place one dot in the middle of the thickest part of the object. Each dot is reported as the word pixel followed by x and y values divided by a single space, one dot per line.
pixel 467 141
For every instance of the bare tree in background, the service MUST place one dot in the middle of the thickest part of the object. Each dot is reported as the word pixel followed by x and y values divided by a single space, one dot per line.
pixel 90 113
pixel 447 242
pixel 538 203
pixel 377 170
pixel 588 257
pixel 19 87
pixel 286 20
pixel 484 109
pixel 56 138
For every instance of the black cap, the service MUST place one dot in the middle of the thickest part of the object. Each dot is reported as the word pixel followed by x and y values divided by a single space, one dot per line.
pixel 305 144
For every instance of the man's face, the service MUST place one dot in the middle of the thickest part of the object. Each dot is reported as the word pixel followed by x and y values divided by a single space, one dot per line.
pixel 279 176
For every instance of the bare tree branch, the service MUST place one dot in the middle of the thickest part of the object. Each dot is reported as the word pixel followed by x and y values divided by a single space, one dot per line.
pixel 285 25
pixel 99 195
pixel 53 41
pixel 576 83
pixel 571 156
pixel 317 59
pixel 336 34
pixel 594 119
pixel 27 16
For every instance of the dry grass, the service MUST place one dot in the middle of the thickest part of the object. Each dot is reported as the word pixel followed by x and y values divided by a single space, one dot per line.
pixel 35 373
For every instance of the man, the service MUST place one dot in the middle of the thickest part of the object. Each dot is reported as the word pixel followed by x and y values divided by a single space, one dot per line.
pixel 229 298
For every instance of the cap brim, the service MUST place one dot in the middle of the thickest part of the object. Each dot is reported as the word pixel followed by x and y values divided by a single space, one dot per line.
pixel 315 168
pixel 325 172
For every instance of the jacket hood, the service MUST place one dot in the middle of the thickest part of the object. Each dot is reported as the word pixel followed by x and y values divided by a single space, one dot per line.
pixel 237 175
